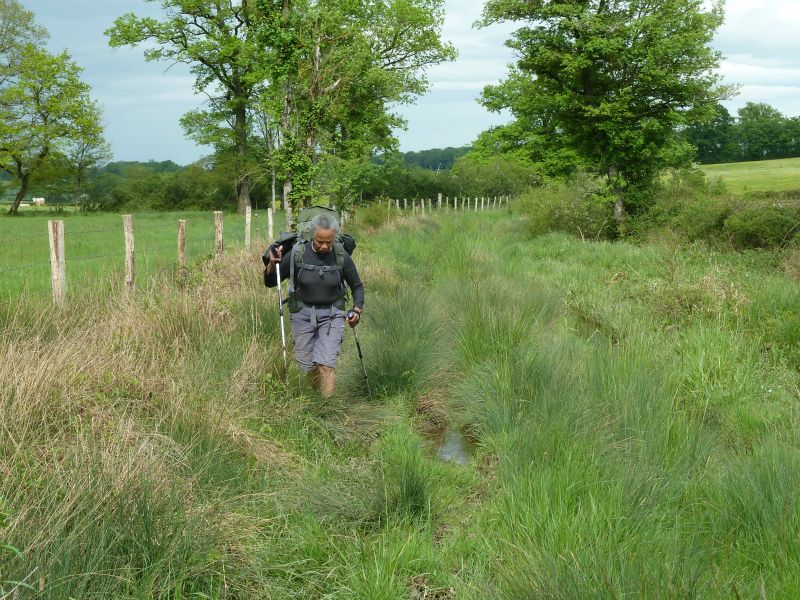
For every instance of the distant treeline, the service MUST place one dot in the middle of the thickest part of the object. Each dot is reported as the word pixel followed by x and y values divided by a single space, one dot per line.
pixel 758 132
pixel 436 159
pixel 207 184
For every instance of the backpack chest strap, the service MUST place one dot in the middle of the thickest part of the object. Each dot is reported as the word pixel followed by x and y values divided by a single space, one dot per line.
pixel 320 268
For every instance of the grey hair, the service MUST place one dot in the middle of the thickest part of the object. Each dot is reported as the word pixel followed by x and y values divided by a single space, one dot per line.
pixel 323 222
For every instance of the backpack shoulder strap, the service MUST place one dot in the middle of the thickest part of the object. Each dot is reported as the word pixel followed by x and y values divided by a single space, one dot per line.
pixel 296 256
pixel 338 250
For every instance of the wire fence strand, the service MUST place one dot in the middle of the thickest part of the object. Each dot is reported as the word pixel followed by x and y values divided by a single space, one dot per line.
pixel 25 267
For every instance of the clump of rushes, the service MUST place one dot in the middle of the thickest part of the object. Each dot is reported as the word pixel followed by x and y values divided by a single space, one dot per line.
pixel 406 475
pixel 401 341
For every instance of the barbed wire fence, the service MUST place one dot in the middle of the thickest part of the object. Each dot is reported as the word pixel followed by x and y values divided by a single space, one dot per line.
pixel 31 276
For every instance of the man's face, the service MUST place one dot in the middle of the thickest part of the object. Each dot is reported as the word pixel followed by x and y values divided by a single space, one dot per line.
pixel 323 240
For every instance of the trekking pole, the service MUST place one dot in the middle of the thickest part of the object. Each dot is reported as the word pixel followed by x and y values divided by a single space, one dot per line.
pixel 283 330
pixel 363 368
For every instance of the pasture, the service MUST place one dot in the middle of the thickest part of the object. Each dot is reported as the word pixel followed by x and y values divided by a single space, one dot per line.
pixel 760 176
pixel 95 243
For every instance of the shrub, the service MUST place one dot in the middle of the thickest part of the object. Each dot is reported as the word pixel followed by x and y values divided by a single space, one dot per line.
pixel 761 227
pixel 579 207
pixel 703 219
pixel 373 216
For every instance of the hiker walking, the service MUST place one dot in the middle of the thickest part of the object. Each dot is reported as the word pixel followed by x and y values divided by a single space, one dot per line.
pixel 318 269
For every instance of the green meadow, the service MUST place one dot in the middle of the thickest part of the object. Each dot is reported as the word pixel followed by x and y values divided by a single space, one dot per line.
pixel 629 413
pixel 95 246
pixel 760 176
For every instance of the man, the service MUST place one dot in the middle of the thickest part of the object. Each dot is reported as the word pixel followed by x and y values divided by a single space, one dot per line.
pixel 319 269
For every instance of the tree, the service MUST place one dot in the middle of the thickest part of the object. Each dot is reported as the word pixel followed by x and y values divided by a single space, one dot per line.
pixel 45 108
pixel 333 71
pixel 762 132
pixel 610 80
pixel 17 30
pixel 216 39
pixel 715 139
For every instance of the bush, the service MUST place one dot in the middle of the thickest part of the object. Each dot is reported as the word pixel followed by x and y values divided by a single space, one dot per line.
pixel 762 227
pixel 703 219
pixel 579 207
pixel 373 216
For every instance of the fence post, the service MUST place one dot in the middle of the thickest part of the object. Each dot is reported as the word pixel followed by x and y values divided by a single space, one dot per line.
pixel 439 201
pixel 182 246
pixel 130 256
pixel 430 206
pixel 482 207
pixel 218 233
pixel 58 265
pixel 270 226
pixel 248 216
pixel 397 204
pixel 405 204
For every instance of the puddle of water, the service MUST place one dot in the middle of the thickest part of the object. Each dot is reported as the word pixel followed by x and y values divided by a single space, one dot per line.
pixel 454 448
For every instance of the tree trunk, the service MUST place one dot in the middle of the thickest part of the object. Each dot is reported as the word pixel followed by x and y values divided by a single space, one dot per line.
pixel 620 215
pixel 24 181
pixel 242 177
pixel 287 203
pixel 286 125
pixel 274 183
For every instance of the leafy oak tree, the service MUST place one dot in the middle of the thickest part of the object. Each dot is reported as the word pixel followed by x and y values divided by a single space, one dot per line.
pixel 18 29
pixel 611 81
pixel 215 38
pixel 44 108
pixel 334 70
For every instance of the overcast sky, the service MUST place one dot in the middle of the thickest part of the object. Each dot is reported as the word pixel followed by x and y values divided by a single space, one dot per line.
pixel 142 102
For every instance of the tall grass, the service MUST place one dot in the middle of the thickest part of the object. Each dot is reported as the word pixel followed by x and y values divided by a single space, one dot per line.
pixel 632 412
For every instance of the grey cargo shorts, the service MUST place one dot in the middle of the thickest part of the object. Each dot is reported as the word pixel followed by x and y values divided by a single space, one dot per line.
pixel 317 337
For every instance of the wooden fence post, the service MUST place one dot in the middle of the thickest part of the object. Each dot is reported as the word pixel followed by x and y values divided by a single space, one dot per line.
pixel 270 225
pixel 58 264
pixel 397 204
pixel 130 256
pixel 248 215
pixel 405 204
pixel 430 206
pixel 182 246
pixel 218 233
pixel 439 201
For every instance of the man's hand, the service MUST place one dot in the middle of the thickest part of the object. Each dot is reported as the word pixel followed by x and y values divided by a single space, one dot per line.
pixel 275 256
pixel 353 317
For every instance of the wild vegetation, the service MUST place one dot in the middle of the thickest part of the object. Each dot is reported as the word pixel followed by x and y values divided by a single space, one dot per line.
pixel 618 351
pixel 631 411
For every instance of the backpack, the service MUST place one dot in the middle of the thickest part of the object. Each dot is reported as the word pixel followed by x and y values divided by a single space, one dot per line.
pixel 296 244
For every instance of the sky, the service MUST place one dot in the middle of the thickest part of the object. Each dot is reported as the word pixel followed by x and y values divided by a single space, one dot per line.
pixel 142 102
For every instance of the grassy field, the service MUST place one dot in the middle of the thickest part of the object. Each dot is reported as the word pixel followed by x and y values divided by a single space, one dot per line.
pixel 631 411
pixel 95 246
pixel 760 176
